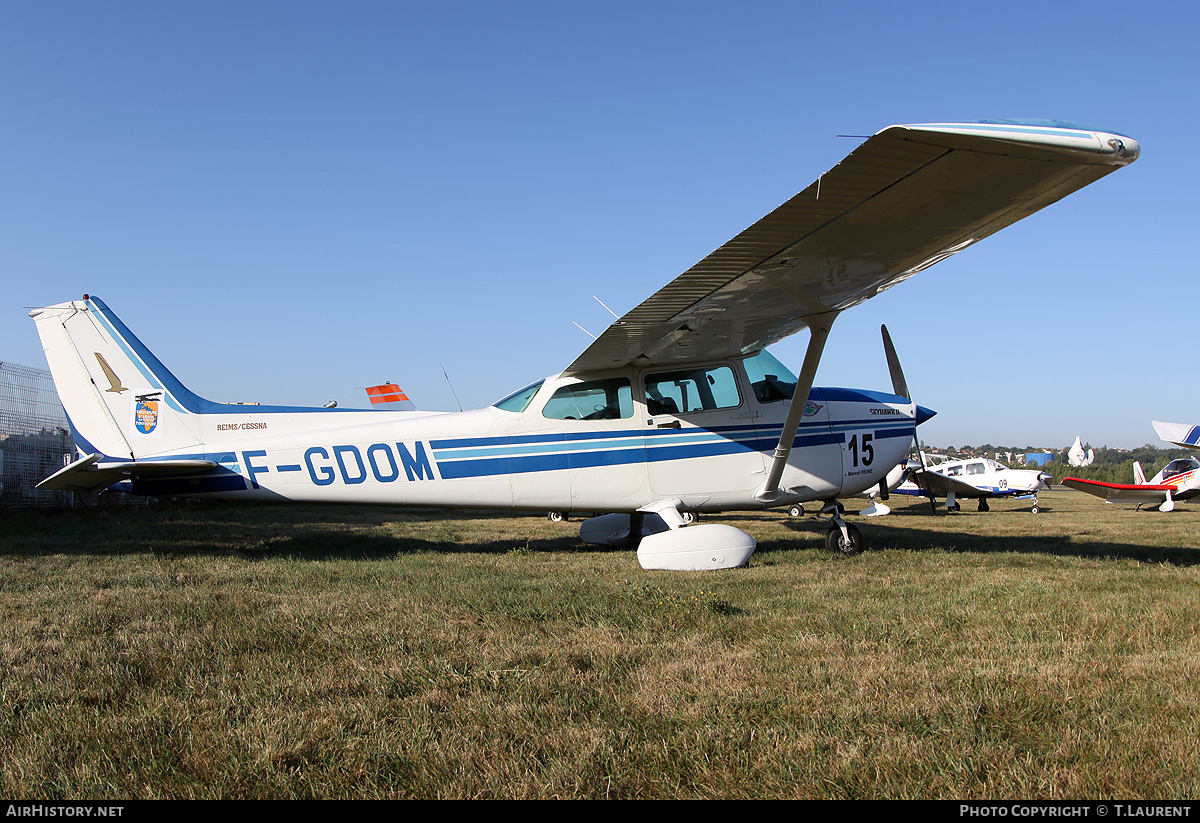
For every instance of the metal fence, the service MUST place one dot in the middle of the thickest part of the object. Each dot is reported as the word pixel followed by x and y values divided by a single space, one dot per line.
pixel 35 440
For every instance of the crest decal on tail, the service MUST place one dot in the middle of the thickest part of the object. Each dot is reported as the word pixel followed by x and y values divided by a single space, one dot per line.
pixel 145 415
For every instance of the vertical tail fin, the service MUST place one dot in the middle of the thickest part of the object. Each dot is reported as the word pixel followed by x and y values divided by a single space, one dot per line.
pixel 389 396
pixel 121 401
pixel 1139 476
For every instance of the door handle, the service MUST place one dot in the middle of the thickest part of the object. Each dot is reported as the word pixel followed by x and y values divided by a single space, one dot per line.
pixel 674 424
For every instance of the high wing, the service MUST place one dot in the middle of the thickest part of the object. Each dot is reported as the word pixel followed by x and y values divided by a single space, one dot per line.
pixel 1180 434
pixel 88 474
pixel 906 198
pixel 1121 492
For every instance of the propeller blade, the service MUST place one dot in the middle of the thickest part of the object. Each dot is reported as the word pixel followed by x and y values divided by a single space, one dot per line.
pixel 933 500
pixel 900 387
pixel 899 384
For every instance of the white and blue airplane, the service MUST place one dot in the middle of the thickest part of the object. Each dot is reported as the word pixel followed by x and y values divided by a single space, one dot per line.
pixel 976 477
pixel 676 408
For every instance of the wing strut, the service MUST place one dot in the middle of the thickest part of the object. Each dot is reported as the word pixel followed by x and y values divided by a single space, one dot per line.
pixel 819 326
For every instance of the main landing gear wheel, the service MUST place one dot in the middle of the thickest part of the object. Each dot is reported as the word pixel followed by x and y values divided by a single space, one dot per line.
pixel 796 511
pixel 556 517
pixel 835 541
pixel 1035 510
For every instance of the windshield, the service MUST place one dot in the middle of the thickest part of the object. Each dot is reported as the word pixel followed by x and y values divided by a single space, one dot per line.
pixel 519 400
pixel 770 379
pixel 1180 466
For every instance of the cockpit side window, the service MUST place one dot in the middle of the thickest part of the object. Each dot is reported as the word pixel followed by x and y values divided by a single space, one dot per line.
pixel 692 390
pixel 770 379
pixel 518 401
pixel 976 468
pixel 610 399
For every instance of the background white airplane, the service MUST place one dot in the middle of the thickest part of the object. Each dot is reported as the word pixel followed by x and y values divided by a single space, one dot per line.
pixel 1178 480
pixel 677 407
pixel 979 478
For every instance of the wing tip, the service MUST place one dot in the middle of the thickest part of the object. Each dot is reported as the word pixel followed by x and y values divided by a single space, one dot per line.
pixel 1061 135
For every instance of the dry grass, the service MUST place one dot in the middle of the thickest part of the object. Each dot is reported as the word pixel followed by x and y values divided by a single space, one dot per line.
pixel 242 652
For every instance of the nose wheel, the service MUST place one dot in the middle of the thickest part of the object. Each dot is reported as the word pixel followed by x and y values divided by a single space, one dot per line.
pixel 842 537
pixel 846 539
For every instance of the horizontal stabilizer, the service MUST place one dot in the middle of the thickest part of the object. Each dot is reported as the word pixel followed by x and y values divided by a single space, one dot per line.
pixel 87 474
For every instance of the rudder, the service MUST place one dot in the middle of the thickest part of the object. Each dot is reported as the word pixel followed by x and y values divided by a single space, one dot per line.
pixel 120 399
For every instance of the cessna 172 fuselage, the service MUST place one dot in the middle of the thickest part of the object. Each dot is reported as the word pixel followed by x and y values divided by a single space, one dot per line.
pixel 599 441
pixel 677 407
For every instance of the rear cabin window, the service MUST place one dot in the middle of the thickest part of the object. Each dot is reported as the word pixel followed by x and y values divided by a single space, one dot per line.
pixel 610 399
pixel 518 400
pixel 692 390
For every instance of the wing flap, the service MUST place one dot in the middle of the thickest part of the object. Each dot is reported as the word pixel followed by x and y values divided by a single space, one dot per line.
pixel 907 198
pixel 87 474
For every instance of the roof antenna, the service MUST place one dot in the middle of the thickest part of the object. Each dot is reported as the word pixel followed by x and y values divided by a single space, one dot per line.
pixel 602 303
pixel 585 331
pixel 451 385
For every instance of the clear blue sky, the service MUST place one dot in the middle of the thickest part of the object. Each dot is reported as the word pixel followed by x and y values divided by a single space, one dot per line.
pixel 290 201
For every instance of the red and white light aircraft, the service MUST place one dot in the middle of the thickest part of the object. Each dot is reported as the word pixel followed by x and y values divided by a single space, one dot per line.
pixel 1179 479
pixel 677 407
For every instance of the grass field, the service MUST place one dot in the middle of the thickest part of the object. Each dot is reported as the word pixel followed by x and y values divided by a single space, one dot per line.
pixel 203 651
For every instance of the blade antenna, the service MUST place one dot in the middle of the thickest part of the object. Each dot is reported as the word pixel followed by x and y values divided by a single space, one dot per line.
pixel 451 385
pixel 602 303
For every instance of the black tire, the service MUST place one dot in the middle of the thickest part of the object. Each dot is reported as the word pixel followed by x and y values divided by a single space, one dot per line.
pixel 796 510
pixel 834 541
pixel 1035 510
pixel 556 517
